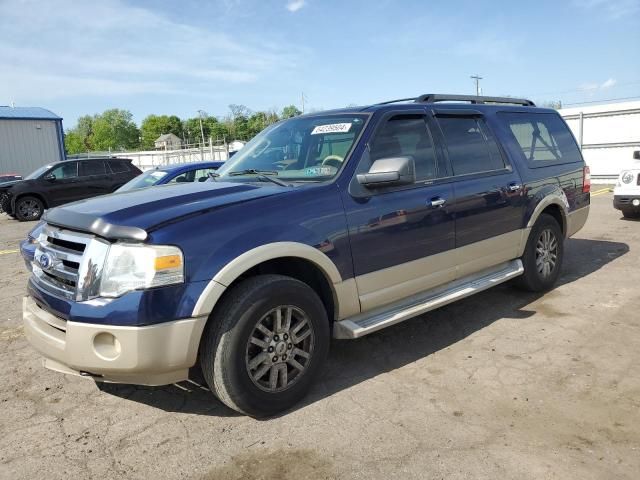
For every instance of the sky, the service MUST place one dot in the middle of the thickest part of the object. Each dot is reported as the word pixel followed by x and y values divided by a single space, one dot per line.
pixel 79 57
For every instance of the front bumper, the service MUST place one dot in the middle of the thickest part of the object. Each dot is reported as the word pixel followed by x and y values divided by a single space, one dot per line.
pixel 151 355
pixel 625 202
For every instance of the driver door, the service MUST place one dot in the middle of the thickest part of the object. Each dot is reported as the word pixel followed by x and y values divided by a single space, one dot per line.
pixel 65 187
pixel 402 237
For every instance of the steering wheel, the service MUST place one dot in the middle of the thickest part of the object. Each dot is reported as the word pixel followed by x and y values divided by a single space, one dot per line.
pixel 333 161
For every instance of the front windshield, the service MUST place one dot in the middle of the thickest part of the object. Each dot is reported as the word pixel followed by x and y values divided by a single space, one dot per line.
pixel 38 172
pixel 300 149
pixel 146 179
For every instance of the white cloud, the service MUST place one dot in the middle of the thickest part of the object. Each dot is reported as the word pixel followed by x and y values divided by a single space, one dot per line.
pixel 295 5
pixel 593 87
pixel 612 9
pixel 68 48
pixel 608 83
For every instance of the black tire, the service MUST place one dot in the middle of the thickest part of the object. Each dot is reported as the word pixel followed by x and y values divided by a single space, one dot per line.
pixel 225 351
pixel 536 277
pixel 630 214
pixel 28 208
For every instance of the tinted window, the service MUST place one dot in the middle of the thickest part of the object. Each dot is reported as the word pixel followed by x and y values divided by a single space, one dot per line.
pixel 471 147
pixel 66 170
pixel 542 137
pixel 92 167
pixel 407 136
pixel 118 166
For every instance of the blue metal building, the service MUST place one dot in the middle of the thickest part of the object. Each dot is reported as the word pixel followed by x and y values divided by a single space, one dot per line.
pixel 29 137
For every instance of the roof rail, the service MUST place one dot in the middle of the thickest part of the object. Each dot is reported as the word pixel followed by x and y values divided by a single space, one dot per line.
pixel 439 97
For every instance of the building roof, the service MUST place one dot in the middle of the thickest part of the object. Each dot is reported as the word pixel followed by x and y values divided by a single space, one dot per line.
pixel 167 136
pixel 27 113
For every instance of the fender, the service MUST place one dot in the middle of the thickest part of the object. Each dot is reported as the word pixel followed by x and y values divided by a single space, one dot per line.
pixel 344 291
pixel 556 198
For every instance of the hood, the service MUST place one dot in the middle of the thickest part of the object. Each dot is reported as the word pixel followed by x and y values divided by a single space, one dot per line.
pixel 133 214
pixel 10 183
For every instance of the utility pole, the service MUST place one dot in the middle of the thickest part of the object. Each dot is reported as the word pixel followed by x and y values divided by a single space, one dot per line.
pixel 477 78
pixel 200 112
pixel 303 99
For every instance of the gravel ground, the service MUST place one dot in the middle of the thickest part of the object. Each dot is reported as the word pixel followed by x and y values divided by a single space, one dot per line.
pixel 500 385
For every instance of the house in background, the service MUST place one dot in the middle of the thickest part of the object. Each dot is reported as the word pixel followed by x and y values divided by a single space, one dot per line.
pixel 168 141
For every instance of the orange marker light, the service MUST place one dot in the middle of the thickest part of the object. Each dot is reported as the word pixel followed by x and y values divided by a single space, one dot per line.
pixel 168 261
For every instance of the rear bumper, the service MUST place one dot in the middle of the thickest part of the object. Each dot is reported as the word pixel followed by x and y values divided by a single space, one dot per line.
pixel 625 202
pixel 150 355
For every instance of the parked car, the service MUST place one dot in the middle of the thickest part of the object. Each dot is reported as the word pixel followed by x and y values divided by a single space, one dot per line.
pixel 333 223
pixel 626 193
pixel 63 182
pixel 177 173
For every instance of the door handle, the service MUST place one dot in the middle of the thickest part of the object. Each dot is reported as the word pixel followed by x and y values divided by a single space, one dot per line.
pixel 436 202
pixel 514 187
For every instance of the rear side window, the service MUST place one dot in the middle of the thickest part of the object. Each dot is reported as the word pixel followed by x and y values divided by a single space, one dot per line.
pixel 92 167
pixel 543 138
pixel 471 146
pixel 119 166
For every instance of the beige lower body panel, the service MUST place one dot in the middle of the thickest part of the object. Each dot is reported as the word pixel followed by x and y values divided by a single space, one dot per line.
pixel 391 284
pixel 576 220
pixel 151 355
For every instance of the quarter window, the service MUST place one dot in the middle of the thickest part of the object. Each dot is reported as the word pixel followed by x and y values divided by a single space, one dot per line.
pixel 118 166
pixel 407 136
pixel 542 137
pixel 471 147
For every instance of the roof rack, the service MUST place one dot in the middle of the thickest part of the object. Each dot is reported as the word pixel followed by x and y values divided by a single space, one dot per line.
pixel 439 97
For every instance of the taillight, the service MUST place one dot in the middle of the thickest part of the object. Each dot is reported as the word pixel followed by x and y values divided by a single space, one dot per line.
pixel 586 179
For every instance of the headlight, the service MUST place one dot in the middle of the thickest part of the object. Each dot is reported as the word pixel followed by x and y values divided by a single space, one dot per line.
pixel 135 266
pixel 627 177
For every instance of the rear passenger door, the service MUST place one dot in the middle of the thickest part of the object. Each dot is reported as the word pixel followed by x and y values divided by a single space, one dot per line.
pixel 489 205
pixel 402 237
pixel 94 179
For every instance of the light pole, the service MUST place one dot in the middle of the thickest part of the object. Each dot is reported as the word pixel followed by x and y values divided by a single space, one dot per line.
pixel 477 78
pixel 200 112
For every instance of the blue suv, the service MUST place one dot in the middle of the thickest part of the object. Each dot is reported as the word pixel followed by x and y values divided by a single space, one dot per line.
pixel 337 223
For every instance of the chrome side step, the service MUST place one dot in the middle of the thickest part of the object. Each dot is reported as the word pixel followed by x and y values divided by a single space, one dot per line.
pixel 363 324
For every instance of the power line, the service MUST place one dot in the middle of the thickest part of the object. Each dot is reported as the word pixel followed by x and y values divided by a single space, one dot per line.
pixel 602 101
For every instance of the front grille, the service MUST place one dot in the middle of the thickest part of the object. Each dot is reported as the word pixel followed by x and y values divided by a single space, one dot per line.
pixel 68 263
pixel 638 182
pixel 624 200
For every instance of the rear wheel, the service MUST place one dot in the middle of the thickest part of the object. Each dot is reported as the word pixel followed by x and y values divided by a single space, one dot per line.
pixel 543 255
pixel 29 208
pixel 265 344
pixel 5 203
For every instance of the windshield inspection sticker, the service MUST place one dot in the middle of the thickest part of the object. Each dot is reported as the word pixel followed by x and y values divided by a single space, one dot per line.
pixel 332 128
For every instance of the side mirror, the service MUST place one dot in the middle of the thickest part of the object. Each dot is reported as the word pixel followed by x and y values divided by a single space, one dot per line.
pixel 636 155
pixel 50 176
pixel 389 171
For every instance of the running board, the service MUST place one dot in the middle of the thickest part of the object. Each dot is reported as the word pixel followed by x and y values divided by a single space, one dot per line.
pixel 363 324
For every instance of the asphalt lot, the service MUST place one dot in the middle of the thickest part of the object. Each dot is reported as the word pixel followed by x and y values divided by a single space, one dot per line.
pixel 501 385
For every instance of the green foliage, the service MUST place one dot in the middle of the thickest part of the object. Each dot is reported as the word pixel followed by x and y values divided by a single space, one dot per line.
pixel 74 143
pixel 155 125
pixel 114 130
pixel 290 111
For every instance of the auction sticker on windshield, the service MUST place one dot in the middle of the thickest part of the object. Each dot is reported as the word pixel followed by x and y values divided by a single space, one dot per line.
pixel 332 128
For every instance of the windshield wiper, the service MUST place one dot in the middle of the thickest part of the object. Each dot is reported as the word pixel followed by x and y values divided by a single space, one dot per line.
pixel 267 175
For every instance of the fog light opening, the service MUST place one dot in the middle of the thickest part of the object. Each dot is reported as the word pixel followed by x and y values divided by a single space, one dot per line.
pixel 106 346
pixel 636 202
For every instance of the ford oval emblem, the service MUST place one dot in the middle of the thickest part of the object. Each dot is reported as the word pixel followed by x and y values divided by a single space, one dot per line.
pixel 45 261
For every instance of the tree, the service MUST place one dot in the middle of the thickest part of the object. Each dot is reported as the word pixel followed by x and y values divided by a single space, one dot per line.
pixel 155 125
pixel 114 130
pixel 290 111
pixel 73 142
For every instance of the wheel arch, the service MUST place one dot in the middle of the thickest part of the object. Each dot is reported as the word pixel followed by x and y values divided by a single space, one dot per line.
pixel 296 260
pixel 555 205
pixel 37 195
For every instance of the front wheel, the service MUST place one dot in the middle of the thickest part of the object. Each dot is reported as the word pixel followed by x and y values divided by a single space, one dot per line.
pixel 265 344
pixel 543 255
pixel 630 213
pixel 29 208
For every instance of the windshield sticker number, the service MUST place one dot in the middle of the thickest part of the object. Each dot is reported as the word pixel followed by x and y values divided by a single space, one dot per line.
pixel 332 128
pixel 319 171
